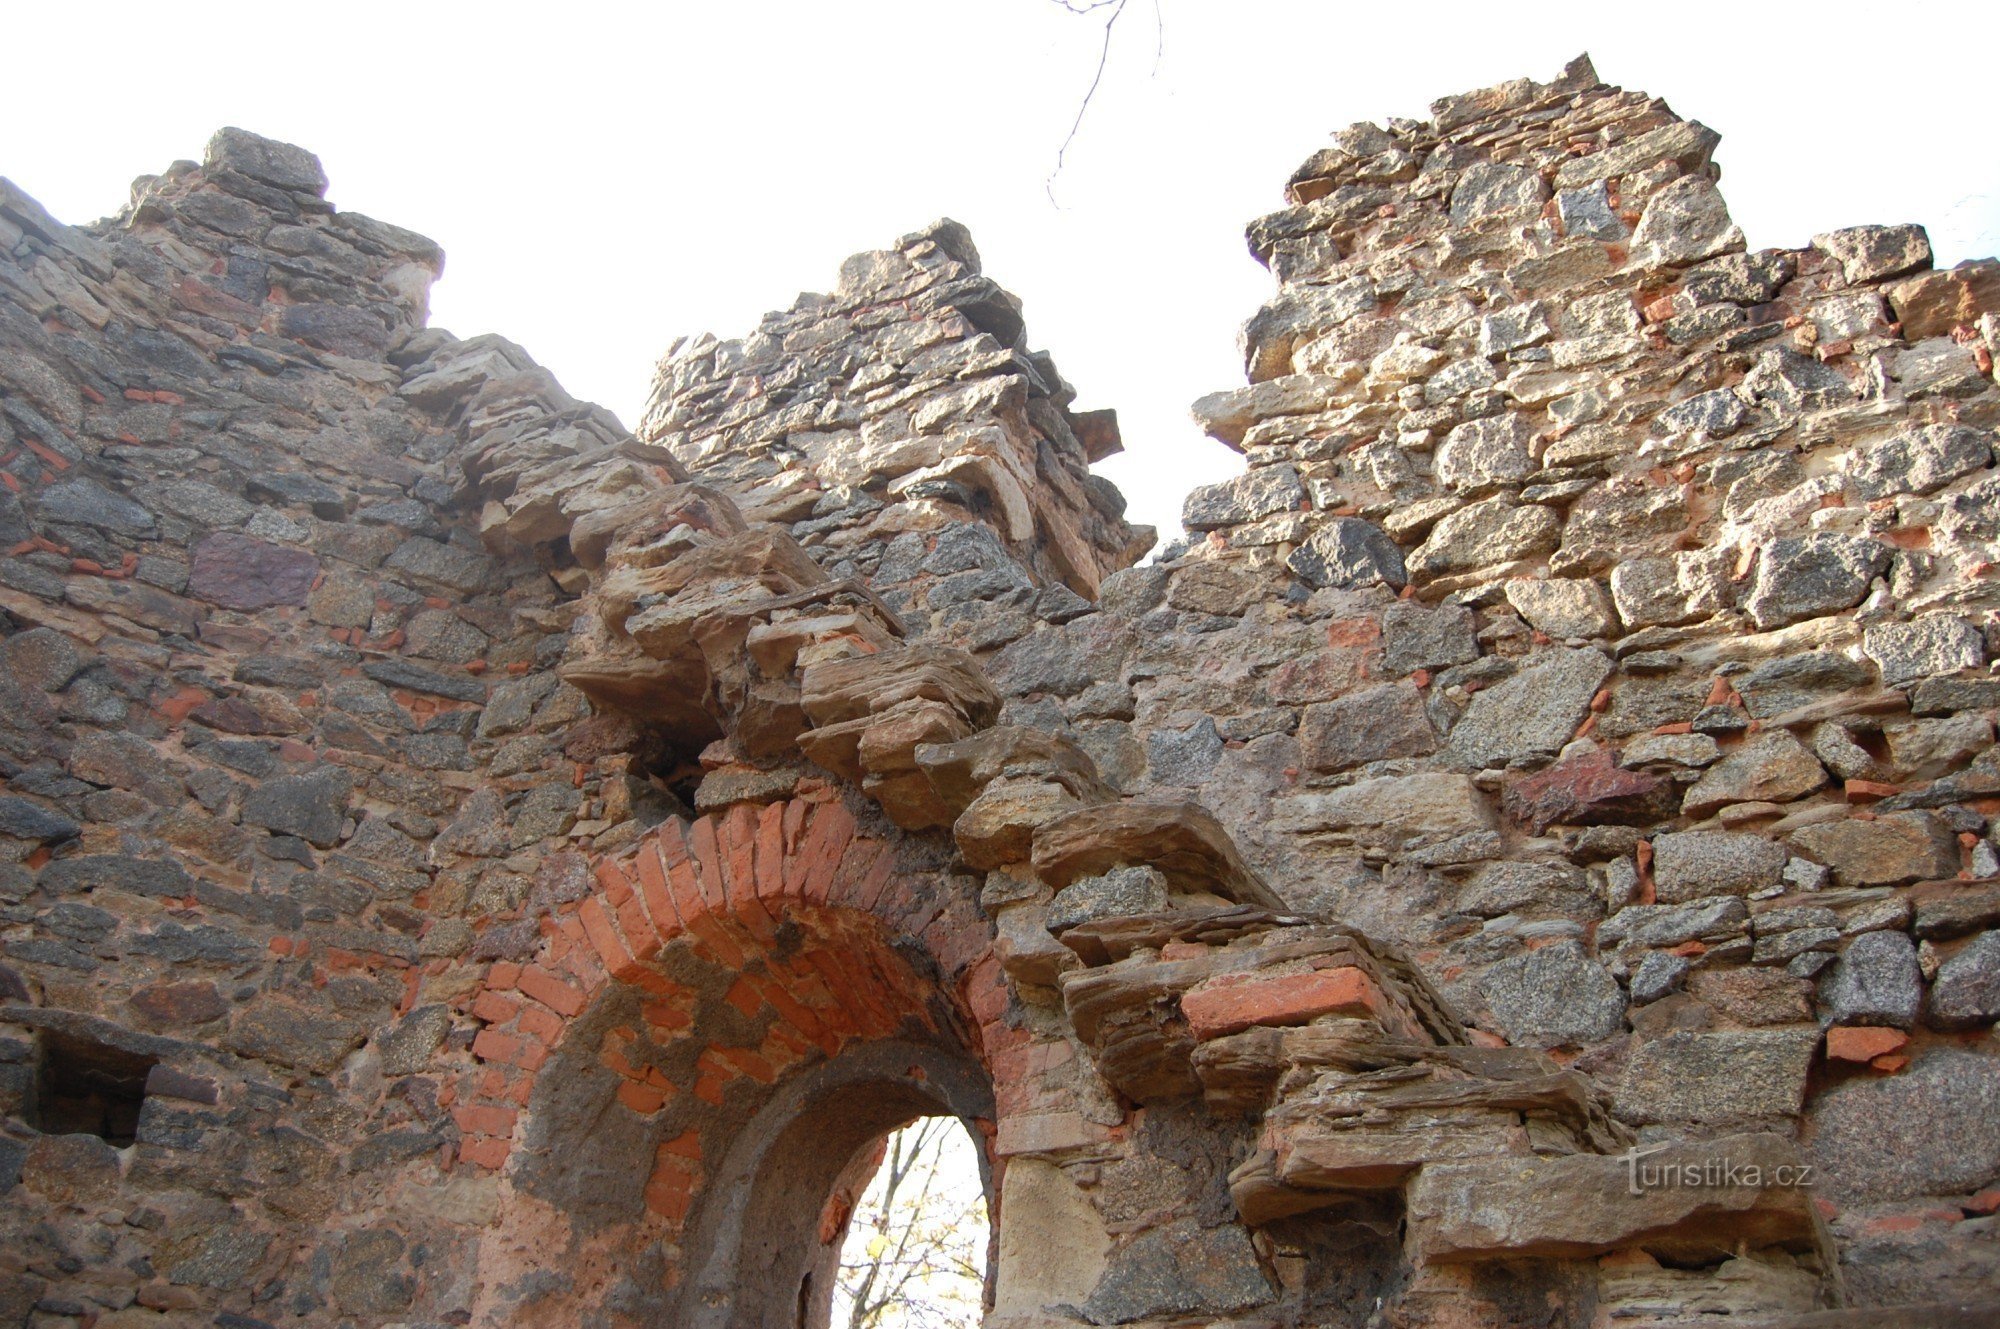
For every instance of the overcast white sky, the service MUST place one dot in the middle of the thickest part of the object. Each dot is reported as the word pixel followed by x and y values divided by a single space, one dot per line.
pixel 606 177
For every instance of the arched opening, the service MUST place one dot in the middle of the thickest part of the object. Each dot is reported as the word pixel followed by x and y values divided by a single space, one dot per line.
pixel 773 1235
pixel 918 1233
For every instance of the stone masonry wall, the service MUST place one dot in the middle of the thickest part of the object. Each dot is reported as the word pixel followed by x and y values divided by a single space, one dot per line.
pixel 464 863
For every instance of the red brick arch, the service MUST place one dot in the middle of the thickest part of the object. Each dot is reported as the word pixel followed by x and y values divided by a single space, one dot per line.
pixel 833 940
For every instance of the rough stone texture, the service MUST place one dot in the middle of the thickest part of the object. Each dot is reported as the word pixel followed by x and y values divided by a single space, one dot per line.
pixel 1954 1095
pixel 1875 981
pixel 1966 994
pixel 1689 865
pixel 1553 996
pixel 1717 1077
pixel 1532 714
pixel 510 854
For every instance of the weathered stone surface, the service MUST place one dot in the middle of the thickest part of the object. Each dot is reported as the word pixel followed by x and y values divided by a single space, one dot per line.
pixel 1956 1097
pixel 1259 493
pixel 1119 893
pixel 1806 576
pixel 1482 535
pixel 1918 462
pixel 1371 725
pixel 1930 645
pixel 1179 1268
pixel 1716 1078
pixel 294 1036
pixel 1481 455
pixel 1492 190
pixel 1348 552
pixel 238 572
pixel 1684 223
pixel 1892 849
pixel 311 806
pixel 1185 758
pixel 1183 840
pixel 1690 865
pixel 1582 1205
pixel 998 827
pixel 1414 637
pixel 1532 714
pixel 1870 253
pixel 1966 994
pixel 1771 767
pixel 1554 996
pixel 1876 981
pixel 1412 809
pixel 1588 789
pixel 1563 607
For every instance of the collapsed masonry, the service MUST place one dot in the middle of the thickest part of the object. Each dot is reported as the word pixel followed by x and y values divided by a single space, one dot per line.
pixel 464 863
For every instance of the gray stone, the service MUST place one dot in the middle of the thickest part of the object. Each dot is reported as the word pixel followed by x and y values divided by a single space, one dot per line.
pixel 1514 328
pixel 1928 646
pixel 1563 607
pixel 1792 382
pixel 1587 212
pixel 266 160
pixel 1348 551
pixel 1716 1077
pixel 1744 279
pixel 1374 724
pixel 1718 918
pixel 1683 223
pixel 87 503
pixel 445 565
pixel 1918 462
pixel 1770 767
pixel 119 872
pixel 1484 454
pixel 1667 591
pixel 1867 1150
pixel 1966 994
pixel 1412 809
pixel 1489 189
pixel 1184 757
pixel 202 504
pixel 1119 893
pixel 312 806
pixel 25 820
pixel 314 1040
pixel 1181 1268
pixel 41 658
pixel 1938 367
pixel 1532 714
pixel 1891 849
pixel 1716 414
pixel 292 490
pixel 1555 996
pixel 1258 493
pixel 223 1258
pixel 402 674
pixel 1876 981
pixel 1416 637
pixel 1870 253
pixel 1800 577
pixel 1795 680
pixel 1480 535
pixel 1657 975
pixel 1689 865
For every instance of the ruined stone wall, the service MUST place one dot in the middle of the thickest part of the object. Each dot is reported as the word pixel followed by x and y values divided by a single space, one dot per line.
pixel 514 870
